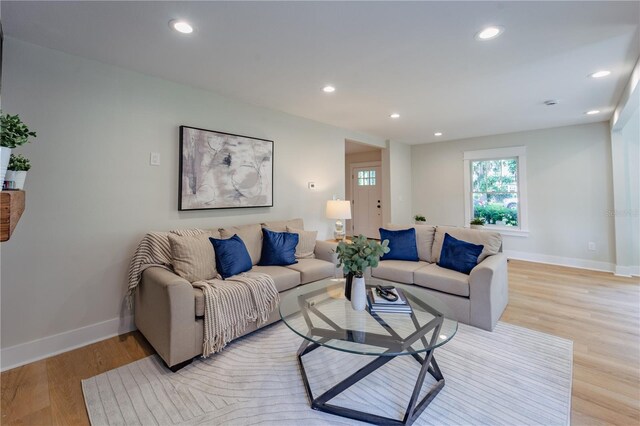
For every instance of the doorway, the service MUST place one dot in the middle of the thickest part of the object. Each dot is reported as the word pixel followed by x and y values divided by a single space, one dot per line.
pixel 363 181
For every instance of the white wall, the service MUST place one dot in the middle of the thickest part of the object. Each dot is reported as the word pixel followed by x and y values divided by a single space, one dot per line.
pixel 400 183
pixel 92 195
pixel 625 150
pixel 625 158
pixel 569 187
pixel 631 211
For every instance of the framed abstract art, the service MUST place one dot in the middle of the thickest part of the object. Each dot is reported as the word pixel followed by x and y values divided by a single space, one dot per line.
pixel 224 171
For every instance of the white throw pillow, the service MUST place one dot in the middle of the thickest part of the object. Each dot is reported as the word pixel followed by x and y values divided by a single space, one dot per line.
pixel 193 257
pixel 306 243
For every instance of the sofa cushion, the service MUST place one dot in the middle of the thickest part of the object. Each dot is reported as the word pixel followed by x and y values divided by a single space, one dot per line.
pixel 434 277
pixel 306 243
pixel 232 257
pixel 402 244
pixel 281 225
pixel 459 255
pixel 278 248
pixel 400 271
pixel 492 241
pixel 251 235
pixel 313 270
pixel 193 257
pixel 284 278
pixel 424 238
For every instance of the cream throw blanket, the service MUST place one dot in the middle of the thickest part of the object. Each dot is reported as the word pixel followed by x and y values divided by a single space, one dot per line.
pixel 230 305
pixel 233 304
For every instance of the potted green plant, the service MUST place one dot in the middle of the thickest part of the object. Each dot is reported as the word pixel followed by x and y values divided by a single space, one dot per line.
pixel 355 258
pixel 13 134
pixel 17 171
pixel 477 223
pixel 420 219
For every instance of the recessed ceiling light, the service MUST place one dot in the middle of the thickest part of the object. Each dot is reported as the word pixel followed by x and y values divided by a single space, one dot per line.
pixel 328 89
pixel 395 115
pixel 600 74
pixel 489 33
pixel 437 134
pixel 593 111
pixel 181 26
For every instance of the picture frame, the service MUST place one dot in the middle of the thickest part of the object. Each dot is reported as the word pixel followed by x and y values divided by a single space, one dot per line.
pixel 221 170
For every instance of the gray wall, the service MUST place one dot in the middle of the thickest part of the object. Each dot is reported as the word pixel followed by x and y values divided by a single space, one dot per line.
pixel 569 185
pixel 91 194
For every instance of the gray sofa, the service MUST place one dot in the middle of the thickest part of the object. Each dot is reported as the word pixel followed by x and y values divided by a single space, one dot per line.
pixel 169 311
pixel 477 299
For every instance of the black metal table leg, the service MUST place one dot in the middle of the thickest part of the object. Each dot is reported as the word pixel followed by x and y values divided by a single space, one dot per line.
pixel 414 408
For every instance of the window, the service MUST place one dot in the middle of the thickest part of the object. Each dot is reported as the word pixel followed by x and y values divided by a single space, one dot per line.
pixel 366 178
pixel 495 188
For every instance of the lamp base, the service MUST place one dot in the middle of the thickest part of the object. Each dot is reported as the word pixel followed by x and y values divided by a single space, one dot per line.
pixel 338 232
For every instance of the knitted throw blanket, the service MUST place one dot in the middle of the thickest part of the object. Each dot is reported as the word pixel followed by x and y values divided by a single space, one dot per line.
pixel 230 305
pixel 153 250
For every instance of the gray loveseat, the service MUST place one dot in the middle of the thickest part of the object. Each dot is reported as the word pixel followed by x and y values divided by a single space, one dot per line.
pixel 477 299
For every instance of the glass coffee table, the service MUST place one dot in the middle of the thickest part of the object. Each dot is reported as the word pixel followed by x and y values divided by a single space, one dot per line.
pixel 320 314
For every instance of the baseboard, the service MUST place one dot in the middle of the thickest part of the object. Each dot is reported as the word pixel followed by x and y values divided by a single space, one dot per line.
pixel 35 350
pixel 572 262
pixel 627 271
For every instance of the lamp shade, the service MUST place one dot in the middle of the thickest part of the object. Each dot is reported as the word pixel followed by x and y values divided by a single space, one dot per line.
pixel 339 209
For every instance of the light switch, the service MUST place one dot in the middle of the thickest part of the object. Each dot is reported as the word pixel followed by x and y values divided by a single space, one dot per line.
pixel 154 159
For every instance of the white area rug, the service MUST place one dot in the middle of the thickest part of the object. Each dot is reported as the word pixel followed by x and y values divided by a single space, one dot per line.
pixel 512 376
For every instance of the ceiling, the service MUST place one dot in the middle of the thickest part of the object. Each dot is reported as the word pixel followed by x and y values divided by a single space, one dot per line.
pixel 419 59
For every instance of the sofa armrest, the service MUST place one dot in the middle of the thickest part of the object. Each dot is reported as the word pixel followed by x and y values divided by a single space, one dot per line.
pixel 488 291
pixel 165 314
pixel 326 250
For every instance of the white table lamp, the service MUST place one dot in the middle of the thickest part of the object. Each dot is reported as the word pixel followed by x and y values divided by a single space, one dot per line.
pixel 339 210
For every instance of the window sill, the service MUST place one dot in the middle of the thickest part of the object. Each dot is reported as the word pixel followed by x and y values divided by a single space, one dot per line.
pixel 506 231
pixel 509 231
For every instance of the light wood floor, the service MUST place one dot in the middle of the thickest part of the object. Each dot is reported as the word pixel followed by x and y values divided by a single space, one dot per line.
pixel 598 311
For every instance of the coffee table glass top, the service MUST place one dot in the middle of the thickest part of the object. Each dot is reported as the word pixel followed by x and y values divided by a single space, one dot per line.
pixel 320 313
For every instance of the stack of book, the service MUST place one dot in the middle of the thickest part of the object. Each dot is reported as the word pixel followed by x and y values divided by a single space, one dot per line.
pixel 378 304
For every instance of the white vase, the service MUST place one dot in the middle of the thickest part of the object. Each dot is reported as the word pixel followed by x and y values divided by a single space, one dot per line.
pixel 5 154
pixel 477 226
pixel 15 179
pixel 358 294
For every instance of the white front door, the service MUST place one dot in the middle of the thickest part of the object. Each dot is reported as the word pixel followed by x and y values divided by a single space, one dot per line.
pixel 366 194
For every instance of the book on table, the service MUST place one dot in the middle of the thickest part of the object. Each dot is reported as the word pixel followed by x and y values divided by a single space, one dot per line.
pixel 378 303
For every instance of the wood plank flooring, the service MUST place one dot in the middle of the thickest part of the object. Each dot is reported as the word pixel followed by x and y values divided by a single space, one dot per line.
pixel 598 311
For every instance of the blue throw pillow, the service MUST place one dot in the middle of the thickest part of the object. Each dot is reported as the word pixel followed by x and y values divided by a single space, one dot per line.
pixel 402 244
pixel 459 255
pixel 232 257
pixel 278 248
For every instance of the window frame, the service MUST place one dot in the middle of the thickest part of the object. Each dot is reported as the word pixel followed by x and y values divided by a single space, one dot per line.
pixel 520 154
